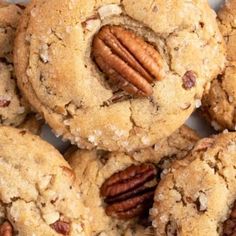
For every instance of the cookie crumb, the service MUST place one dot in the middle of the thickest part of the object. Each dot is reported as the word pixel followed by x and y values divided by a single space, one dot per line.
pixel 153 212
pixel 231 99
pixel 163 218
pixel 43 53
pixel 44 182
pixel 159 197
pixel 215 125
pixel 21 110
pixel 33 12
pixel 91 138
pixel 145 140
pixel 154 224
pixel 225 131
pixel 51 217
pixel 198 103
pixel 92 24
pixel 202 202
pixel 109 10
pixel 78 228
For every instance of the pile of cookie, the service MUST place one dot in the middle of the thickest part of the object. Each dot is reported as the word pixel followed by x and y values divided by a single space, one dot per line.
pixel 118 79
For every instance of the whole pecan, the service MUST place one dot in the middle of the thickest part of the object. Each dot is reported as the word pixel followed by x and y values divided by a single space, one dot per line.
pixel 61 227
pixel 129 193
pixel 6 229
pixel 126 59
pixel 229 226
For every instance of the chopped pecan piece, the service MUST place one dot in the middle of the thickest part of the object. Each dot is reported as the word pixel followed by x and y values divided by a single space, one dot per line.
pixel 126 59
pixel 6 229
pixel 61 227
pixel 69 172
pixel 117 97
pixel 129 193
pixel 4 103
pixel 204 144
pixel 189 80
pixel 229 226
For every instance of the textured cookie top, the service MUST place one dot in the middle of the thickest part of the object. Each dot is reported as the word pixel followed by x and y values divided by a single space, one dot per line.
pixel 93 168
pixel 38 194
pixel 196 197
pixel 219 104
pixel 177 146
pixel 60 78
pixel 12 107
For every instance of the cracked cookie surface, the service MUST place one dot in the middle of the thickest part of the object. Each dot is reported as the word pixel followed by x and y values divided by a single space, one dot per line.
pixel 38 194
pixel 56 73
pixel 13 108
pixel 220 102
pixel 12 111
pixel 196 196
pixel 92 168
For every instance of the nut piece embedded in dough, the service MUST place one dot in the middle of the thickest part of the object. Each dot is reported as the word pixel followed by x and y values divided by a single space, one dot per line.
pixel 4 103
pixel 61 227
pixel 129 193
pixel 189 80
pixel 126 59
pixel 230 224
pixel 6 229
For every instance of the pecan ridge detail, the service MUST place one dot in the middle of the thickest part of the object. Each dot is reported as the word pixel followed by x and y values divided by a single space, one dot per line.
pixel 126 59
pixel 129 193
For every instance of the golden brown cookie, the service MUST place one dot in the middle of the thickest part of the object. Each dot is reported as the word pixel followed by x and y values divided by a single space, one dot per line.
pixel 13 108
pixel 118 188
pixel 117 75
pixel 220 102
pixel 197 196
pixel 38 193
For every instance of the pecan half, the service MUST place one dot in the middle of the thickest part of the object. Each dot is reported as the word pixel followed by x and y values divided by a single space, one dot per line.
pixel 61 227
pixel 126 59
pixel 6 229
pixel 129 193
pixel 229 226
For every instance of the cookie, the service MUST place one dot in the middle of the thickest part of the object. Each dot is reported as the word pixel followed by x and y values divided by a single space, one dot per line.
pixel 176 146
pixel 220 102
pixel 13 108
pixel 110 183
pixel 38 194
pixel 196 197
pixel 117 75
